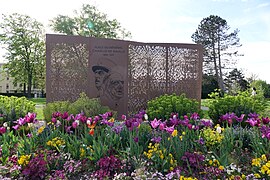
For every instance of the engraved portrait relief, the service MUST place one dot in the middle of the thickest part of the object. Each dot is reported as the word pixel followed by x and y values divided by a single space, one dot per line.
pixel 108 81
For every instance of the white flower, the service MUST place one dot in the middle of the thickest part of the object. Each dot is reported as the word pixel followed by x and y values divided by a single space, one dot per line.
pixel 30 125
pixel 88 122
pixel 145 116
pixel 218 129
pixel 5 124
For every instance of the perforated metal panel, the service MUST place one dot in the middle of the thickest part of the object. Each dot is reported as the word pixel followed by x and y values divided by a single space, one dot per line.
pixel 132 72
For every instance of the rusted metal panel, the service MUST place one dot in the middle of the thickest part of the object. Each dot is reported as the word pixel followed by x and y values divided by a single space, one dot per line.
pixel 123 74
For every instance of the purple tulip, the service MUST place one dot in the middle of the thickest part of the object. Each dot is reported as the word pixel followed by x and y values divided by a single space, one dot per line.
pixel 200 141
pixel 206 122
pixel 169 129
pixel 252 122
pixel 2 130
pixel 65 115
pixel 124 117
pixel 265 120
pixel 54 120
pixel 68 129
pixel 117 129
pixel 136 139
pixel 96 118
pixel 74 124
pixel 155 123
pixel 110 114
pixel 162 126
pixel 56 114
pixel 16 127
pixel 253 115
pixel 240 119
pixel 174 115
pixel 195 116
pixel 70 117
pixel 21 121
pixel 30 117
pixel 265 132
pixel 105 115
pixel 156 139
pixel 184 122
pixel 189 126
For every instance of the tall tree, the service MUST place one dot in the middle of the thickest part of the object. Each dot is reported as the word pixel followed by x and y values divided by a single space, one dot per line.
pixel 261 87
pixel 89 22
pixel 235 81
pixel 209 84
pixel 220 46
pixel 23 39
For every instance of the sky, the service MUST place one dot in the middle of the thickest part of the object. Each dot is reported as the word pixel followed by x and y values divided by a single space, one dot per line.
pixel 171 21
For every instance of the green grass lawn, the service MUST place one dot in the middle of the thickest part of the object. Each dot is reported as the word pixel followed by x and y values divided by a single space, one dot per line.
pixel 38 101
pixel 39 111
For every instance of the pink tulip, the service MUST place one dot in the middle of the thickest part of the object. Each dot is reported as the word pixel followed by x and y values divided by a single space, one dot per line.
pixel 155 123
pixel 162 126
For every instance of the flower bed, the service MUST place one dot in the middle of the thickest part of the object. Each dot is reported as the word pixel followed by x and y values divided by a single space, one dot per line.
pixel 99 147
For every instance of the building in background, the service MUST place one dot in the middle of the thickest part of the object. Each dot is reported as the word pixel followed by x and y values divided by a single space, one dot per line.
pixel 6 83
pixel 7 86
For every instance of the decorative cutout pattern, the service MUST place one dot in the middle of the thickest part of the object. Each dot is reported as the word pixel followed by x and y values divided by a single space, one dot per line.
pixel 158 69
pixel 153 69
pixel 68 71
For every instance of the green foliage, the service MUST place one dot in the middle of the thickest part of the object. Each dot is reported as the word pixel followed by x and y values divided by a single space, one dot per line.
pixel 89 22
pixel 23 39
pixel 243 103
pixel 209 84
pixel 57 106
pixel 90 107
pixel 12 108
pixel 161 107
pixel 261 87
pixel 266 112
pixel 235 81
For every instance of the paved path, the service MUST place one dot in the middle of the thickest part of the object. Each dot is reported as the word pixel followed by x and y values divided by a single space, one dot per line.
pixel 204 108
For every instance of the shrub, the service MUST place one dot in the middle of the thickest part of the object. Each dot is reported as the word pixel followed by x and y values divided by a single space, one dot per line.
pixel 90 107
pixel 12 108
pixel 57 106
pixel 161 107
pixel 243 103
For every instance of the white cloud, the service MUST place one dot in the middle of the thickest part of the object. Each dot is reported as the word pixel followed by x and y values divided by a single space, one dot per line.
pixel 262 5
pixel 256 59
